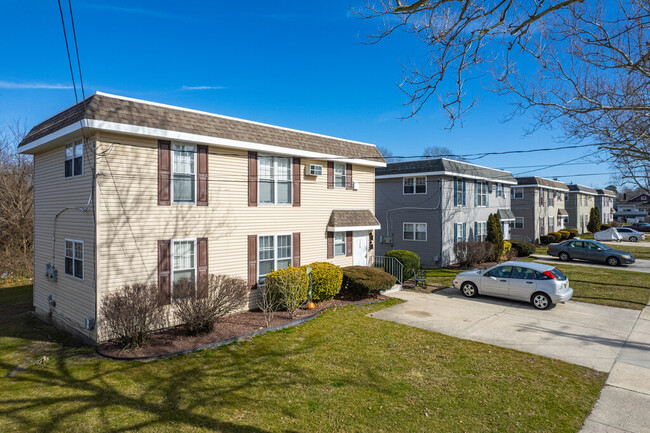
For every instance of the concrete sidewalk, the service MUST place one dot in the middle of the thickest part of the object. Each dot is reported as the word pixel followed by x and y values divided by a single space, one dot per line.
pixel 624 402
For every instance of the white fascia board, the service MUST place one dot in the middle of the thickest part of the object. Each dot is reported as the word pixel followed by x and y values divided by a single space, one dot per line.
pixel 352 228
pixel 444 173
pixel 194 138
pixel 542 186
pixel 53 136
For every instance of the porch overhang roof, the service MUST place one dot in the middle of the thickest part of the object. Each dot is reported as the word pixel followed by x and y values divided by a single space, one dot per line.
pixel 343 220
pixel 506 215
pixel 562 213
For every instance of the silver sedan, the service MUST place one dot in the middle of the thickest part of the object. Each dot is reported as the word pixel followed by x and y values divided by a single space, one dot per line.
pixel 629 234
pixel 541 285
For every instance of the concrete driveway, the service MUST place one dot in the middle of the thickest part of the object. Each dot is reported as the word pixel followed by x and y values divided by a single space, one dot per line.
pixel 580 333
pixel 639 265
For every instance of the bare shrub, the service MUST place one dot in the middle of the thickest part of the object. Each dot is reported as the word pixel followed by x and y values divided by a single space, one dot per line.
pixel 200 306
pixel 290 285
pixel 132 313
pixel 269 303
pixel 469 254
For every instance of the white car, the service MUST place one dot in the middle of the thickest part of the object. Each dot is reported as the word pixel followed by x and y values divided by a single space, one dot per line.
pixel 541 285
pixel 630 234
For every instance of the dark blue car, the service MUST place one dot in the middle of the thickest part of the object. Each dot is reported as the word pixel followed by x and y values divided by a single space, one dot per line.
pixel 589 250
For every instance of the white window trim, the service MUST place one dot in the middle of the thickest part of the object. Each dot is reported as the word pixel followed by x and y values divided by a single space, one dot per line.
pixel 345 244
pixel 479 193
pixel 514 191
pixel 196 176
pixel 275 250
pixel 522 223
pixel 426 230
pixel 275 181
pixel 345 175
pixel 65 158
pixel 458 226
pixel 415 178
pixel 476 236
pixel 196 265
pixel 83 260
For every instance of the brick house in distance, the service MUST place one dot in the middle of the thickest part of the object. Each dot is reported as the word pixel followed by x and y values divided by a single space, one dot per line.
pixel 130 191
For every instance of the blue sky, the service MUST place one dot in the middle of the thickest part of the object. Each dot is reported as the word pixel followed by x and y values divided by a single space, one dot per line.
pixel 296 64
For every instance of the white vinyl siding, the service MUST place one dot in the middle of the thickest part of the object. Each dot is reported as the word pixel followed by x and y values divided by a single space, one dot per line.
pixel 340 176
pixel 274 180
pixel 339 244
pixel 415 185
pixel 274 252
pixel 183 173
pixel 73 165
pixel 74 258
pixel 415 231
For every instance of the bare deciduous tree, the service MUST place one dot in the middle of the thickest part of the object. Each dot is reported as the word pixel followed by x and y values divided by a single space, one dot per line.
pixel 584 65
pixel 16 204
pixel 441 151
pixel 268 303
pixel 387 154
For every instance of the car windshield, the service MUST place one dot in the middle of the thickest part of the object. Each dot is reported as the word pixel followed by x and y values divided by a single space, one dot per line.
pixel 599 245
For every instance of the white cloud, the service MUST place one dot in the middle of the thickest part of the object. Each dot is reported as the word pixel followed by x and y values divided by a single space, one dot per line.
pixel 13 85
pixel 202 87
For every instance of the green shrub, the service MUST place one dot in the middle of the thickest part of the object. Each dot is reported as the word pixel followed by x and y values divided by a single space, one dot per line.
pixel 523 249
pixel 546 239
pixel 409 259
pixel 365 280
pixel 495 236
pixel 573 233
pixel 290 285
pixel 565 234
pixel 507 246
pixel 326 280
pixel 594 220
pixel 557 237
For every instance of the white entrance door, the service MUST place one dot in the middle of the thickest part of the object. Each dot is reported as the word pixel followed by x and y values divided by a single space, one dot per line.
pixel 360 248
pixel 505 228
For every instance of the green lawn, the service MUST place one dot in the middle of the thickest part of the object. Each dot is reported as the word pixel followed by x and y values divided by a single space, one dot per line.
pixel 343 372
pixel 639 252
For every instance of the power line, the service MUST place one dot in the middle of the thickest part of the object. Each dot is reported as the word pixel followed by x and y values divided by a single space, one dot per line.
pixel 76 47
pixel 67 48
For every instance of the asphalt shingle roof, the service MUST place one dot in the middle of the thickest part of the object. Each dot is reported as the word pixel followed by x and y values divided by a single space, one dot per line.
pixel 447 166
pixel 352 218
pixel 541 181
pixel 581 188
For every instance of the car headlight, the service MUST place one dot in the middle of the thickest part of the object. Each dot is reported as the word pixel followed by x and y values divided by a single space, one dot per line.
pixel 626 256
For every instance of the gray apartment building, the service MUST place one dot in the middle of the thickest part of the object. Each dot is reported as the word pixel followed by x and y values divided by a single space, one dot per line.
pixel 580 200
pixel 605 204
pixel 539 207
pixel 426 206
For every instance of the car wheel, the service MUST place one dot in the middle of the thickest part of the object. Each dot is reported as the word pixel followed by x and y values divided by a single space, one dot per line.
pixel 564 257
pixel 469 290
pixel 541 301
pixel 613 261
pixel 633 239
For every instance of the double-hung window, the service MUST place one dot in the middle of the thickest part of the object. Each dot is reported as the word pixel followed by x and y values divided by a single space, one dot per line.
pixel 542 200
pixel 74 258
pixel 274 180
pixel 415 185
pixel 551 198
pixel 274 252
pixel 480 231
pixel 183 173
pixel 460 232
pixel 74 160
pixel 541 226
pixel 340 176
pixel 517 193
pixel 459 192
pixel 339 244
pixel 183 263
pixel 551 224
pixel 499 190
pixel 481 194
pixel 415 231
pixel 519 222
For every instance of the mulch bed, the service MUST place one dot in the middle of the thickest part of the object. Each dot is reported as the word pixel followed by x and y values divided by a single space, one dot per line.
pixel 176 340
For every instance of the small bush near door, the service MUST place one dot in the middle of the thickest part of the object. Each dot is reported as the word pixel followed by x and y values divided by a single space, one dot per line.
pixel 523 249
pixel 131 313
pixel 366 281
pixel 565 234
pixel 409 259
pixel 199 306
pixel 290 285
pixel 326 280
pixel 557 237
pixel 470 254
pixel 573 233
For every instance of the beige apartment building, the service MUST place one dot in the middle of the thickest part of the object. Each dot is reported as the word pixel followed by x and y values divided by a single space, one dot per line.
pixel 132 191
pixel 580 201
pixel 539 207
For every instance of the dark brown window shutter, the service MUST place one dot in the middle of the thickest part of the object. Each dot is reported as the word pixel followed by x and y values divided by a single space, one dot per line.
pixel 202 171
pixel 296 250
pixel 348 176
pixel 252 178
pixel 330 245
pixel 164 172
pixel 348 244
pixel 296 182
pixel 252 261
pixel 202 267
pixel 330 175
pixel 164 271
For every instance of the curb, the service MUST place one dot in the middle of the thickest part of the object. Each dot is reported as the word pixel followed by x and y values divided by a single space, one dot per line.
pixel 233 339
